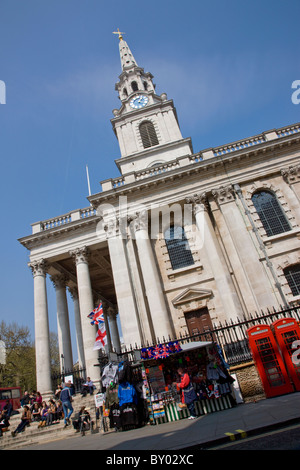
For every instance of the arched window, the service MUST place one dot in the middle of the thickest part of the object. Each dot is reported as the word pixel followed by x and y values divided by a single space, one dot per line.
pixel 148 134
pixel 178 247
pixel 134 86
pixel 292 275
pixel 270 213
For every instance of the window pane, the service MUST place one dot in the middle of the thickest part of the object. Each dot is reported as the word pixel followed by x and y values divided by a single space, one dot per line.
pixel 4 394
pixel 292 275
pixel 15 393
pixel 178 247
pixel 270 213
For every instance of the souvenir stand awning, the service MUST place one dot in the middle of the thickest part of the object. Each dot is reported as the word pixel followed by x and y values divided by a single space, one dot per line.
pixel 206 367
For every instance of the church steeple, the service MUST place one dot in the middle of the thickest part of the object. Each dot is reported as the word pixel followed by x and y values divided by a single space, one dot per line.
pixel 133 78
pixel 127 59
pixel 146 124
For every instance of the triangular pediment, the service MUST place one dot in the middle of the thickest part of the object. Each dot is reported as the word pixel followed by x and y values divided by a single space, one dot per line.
pixel 189 295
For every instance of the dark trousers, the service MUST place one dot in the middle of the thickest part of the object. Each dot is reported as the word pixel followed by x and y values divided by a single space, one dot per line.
pixel 191 407
pixel 22 425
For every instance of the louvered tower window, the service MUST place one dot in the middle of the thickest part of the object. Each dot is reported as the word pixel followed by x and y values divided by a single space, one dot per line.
pixel 178 247
pixel 148 134
pixel 270 213
pixel 292 275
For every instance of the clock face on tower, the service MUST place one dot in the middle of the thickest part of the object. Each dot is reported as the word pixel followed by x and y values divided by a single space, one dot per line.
pixel 139 101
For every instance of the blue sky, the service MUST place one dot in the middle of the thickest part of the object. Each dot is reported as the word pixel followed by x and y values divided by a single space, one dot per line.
pixel 228 66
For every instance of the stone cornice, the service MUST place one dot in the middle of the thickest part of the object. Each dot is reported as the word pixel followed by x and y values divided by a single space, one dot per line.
pixel 81 224
pixel 208 166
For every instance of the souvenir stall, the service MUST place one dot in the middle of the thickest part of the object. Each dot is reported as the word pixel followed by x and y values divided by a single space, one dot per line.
pixel 125 403
pixel 146 391
pixel 204 363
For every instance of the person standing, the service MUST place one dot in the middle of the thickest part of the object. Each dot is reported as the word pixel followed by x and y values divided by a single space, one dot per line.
pixel 188 393
pixel 66 399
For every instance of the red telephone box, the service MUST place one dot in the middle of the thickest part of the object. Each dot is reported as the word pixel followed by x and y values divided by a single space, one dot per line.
pixel 268 361
pixel 286 332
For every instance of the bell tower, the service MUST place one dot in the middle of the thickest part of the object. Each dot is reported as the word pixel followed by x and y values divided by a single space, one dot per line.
pixel 146 125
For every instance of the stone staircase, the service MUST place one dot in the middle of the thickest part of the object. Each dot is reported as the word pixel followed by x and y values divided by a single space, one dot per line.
pixel 34 435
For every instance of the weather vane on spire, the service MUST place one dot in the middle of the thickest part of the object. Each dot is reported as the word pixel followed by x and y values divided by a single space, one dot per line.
pixel 119 33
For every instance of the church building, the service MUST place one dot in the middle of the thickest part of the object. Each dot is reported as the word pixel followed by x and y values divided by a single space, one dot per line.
pixel 179 241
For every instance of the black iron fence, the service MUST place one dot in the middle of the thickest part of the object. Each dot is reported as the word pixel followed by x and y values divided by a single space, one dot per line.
pixel 231 336
pixel 78 377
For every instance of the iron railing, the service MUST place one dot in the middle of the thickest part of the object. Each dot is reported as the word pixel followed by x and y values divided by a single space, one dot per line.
pixel 230 336
pixel 78 378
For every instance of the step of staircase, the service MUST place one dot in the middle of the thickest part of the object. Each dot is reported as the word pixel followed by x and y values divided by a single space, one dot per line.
pixel 34 435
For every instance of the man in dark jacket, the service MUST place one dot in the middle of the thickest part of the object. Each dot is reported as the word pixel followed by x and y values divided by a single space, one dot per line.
pixel 7 409
pixel 65 397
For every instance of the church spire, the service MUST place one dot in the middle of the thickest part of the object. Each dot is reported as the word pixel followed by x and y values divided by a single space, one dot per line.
pixel 127 59
pixel 146 124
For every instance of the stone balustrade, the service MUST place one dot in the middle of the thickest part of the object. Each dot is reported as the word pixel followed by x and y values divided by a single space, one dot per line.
pixel 114 183
pixel 63 219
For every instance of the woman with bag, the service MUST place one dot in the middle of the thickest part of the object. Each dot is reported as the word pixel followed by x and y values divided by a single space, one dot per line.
pixel 188 393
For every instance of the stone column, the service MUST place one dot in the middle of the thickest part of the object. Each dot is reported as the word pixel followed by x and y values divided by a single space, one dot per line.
pixel 227 294
pixel 80 349
pixel 63 326
pixel 41 324
pixel 114 332
pixel 147 332
pixel 159 313
pixel 86 304
pixel 123 285
pixel 232 227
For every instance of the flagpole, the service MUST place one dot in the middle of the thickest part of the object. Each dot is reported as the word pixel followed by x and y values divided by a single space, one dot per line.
pixel 88 179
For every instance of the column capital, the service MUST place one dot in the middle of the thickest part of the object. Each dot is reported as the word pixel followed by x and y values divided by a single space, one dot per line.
pixel 111 313
pixel 223 194
pixel 291 174
pixel 199 201
pixel 81 255
pixel 39 267
pixel 139 220
pixel 111 227
pixel 59 280
pixel 73 292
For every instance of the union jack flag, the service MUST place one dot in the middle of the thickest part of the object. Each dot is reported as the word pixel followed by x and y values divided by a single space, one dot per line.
pixel 165 352
pixel 96 315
